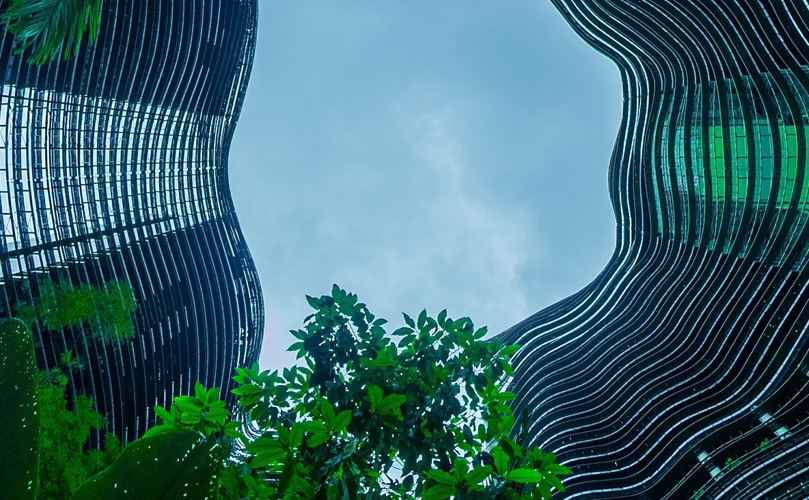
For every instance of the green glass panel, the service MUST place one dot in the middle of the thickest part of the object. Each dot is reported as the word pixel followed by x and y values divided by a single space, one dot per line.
pixel 739 164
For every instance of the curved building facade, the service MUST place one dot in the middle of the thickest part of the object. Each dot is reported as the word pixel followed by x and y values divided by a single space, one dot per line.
pixel 114 167
pixel 681 371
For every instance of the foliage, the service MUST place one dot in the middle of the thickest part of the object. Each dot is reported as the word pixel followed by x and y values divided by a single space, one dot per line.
pixel 52 27
pixel 66 462
pixel 107 310
pixel 367 417
pixel 44 441
pixel 169 465
pixel 203 412
pixel 206 415
pixel 19 419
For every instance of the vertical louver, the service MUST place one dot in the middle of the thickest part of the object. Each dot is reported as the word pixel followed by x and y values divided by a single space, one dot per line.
pixel 681 371
pixel 113 166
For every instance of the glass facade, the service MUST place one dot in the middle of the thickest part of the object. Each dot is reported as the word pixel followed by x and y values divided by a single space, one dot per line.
pixel 682 371
pixel 113 167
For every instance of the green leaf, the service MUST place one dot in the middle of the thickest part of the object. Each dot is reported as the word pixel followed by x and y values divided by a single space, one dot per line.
pixel 500 460
pixel 164 415
pixel 505 396
pixel 478 474
pixel 295 436
pixel 422 319
pixel 297 346
pixel 509 350
pixel 246 390
pixel 327 412
pixel 268 451
pixel 511 447
pixel 171 465
pixel 402 332
pixel 384 358
pixel 262 444
pixel 217 416
pixel 159 429
pixel 525 476
pixel 313 303
pixel 231 429
pixel 349 449
pixel 266 458
pixel 375 394
pixel 342 420
pixel 212 395
pixel 557 469
pixel 199 391
pixel 317 438
pixel 438 492
pixel 311 426
pixel 555 482
pixel 186 405
pixel 441 477
pixel 285 479
pixel 442 317
pixel 391 403
pixel 409 321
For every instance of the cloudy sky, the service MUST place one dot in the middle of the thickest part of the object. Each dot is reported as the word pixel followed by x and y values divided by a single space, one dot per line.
pixel 433 155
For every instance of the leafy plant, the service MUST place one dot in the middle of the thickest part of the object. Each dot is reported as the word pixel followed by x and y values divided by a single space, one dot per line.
pixel 414 414
pixel 44 433
pixel 44 442
pixel 107 310
pixel 204 413
pixel 367 417
pixel 66 461
pixel 52 27
pixel 19 420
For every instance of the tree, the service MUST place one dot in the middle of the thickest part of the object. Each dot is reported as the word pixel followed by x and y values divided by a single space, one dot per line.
pixel 418 413
pixel 52 27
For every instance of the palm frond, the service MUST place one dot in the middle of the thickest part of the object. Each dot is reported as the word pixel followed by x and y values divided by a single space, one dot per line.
pixel 52 27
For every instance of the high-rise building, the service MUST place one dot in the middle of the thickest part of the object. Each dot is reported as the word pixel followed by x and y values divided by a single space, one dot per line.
pixel 114 167
pixel 681 371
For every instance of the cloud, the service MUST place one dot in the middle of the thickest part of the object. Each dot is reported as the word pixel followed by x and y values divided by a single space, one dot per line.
pixel 423 156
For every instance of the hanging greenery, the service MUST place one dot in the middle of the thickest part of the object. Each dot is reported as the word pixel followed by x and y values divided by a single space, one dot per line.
pixel 52 27
pixel 107 310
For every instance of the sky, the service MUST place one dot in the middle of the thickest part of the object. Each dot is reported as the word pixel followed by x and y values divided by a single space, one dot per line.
pixel 440 155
